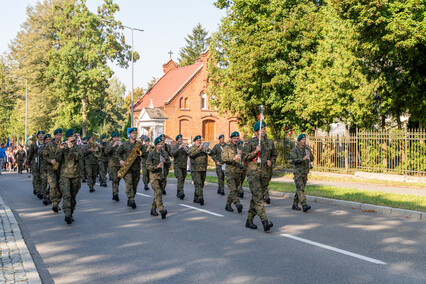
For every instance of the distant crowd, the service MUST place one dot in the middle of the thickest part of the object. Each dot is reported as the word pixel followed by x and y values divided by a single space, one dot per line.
pixel 13 158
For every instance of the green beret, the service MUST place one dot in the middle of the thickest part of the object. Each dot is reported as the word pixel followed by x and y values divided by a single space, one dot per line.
pixel 115 134
pixel 222 136
pixel 301 136
pixel 240 142
pixel 132 129
pixel 196 137
pixel 84 138
pixel 53 139
pixel 65 140
pixel 69 132
pixel 41 132
pixel 59 130
pixel 47 136
pixel 162 135
pixel 235 134
pixel 179 136
pixel 90 136
pixel 157 140
pixel 257 125
pixel 103 136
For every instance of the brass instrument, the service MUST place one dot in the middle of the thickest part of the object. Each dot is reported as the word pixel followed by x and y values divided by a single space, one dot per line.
pixel 136 152
pixel 98 151
pixel 206 148
pixel 260 133
pixel 307 153
pixel 56 165
pixel 151 146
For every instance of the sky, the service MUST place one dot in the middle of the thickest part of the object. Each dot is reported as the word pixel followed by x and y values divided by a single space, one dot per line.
pixel 166 23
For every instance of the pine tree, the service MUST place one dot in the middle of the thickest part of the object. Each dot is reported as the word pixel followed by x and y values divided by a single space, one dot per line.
pixel 197 42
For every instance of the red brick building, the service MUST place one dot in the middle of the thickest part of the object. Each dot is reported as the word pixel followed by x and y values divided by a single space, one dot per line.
pixel 178 104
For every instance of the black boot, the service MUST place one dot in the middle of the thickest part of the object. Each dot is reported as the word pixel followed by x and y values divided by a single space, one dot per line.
pixel 239 208
pixel 46 200
pixel 240 194
pixel 196 200
pixel 222 192
pixel 164 192
pixel 229 208
pixel 39 196
pixel 250 224
pixel 154 212
pixel 182 196
pixel 133 204
pixel 295 207
pixel 83 180
pixel 34 192
pixel 267 225
pixel 146 187
pixel 92 189
pixel 163 213
pixel 128 202
pixel 68 219
pixel 306 207
pixel 267 200
pixel 115 197
pixel 218 191
pixel 55 208
pixel 201 201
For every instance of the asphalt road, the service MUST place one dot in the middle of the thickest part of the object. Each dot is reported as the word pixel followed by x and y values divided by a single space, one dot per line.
pixel 112 243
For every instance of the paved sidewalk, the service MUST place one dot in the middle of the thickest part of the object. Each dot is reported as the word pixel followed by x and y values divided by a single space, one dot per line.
pixel 16 264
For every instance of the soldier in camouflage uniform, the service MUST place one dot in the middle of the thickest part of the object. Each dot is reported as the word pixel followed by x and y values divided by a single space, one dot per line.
pixel 300 156
pixel 83 172
pixel 168 149
pixel 198 157
pixel 114 164
pixel 52 150
pixel 156 162
pixel 234 168
pixel 33 160
pixel 257 173
pixel 103 162
pixel 133 175
pixel 216 154
pixel 145 172
pixel 69 156
pixel 180 161
pixel 20 158
pixel 240 192
pixel 91 163
pixel 43 169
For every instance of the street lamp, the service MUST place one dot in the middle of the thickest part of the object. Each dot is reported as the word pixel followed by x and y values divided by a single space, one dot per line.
pixel 26 102
pixel 133 29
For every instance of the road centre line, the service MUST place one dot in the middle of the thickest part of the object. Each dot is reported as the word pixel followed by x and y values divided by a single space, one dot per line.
pixel 146 195
pixel 334 249
pixel 202 210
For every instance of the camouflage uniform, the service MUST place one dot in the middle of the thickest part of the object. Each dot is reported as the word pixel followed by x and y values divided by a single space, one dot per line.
pixel 103 165
pixel 51 153
pixel 257 174
pixel 145 172
pixel 301 171
pixel 180 161
pixel 34 159
pixel 233 172
pixel 198 160
pixel 83 171
pixel 216 154
pixel 156 176
pixel 70 182
pixel 133 175
pixel 20 158
pixel 91 166
pixel 168 149
pixel 43 171
pixel 114 165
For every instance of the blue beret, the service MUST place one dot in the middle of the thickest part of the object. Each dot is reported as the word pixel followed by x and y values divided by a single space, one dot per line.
pixel 235 134
pixel 178 136
pixel 59 130
pixel 41 132
pixel 196 137
pixel 222 136
pixel 132 129
pixel 47 136
pixel 301 136
pixel 157 140
pixel 115 134
pixel 257 125
pixel 69 132
pixel 103 136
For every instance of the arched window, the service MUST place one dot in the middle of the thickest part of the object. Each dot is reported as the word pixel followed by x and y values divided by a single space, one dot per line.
pixel 203 101
pixel 181 103
pixel 186 103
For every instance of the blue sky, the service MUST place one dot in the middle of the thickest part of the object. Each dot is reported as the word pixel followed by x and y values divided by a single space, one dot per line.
pixel 165 23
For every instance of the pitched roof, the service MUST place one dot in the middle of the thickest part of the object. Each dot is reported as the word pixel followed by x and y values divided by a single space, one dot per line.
pixel 168 86
pixel 155 113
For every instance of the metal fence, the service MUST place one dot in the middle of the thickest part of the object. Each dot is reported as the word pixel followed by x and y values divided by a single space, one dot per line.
pixel 395 151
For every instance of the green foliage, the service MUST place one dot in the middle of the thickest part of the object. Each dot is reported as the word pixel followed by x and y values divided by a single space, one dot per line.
pixel 8 98
pixel 197 42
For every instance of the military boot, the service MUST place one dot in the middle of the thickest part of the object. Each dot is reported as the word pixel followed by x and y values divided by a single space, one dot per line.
pixel 229 208
pixel 115 197
pixel 218 191
pixel 240 194
pixel 239 208
pixel 146 187
pixel 201 201
pixel 295 207
pixel 164 192
pixel 222 192
pixel 163 213
pixel 91 189
pixel 68 219
pixel 306 207
pixel 55 208
pixel 39 196
pixel 133 204
pixel 154 212
pixel 46 200
pixel 267 200
pixel 267 225
pixel 250 224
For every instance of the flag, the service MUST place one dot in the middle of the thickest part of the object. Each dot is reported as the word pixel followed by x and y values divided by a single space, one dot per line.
pixel 261 117
pixel 7 143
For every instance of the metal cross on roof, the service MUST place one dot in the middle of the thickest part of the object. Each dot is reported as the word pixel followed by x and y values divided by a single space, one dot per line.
pixel 170 52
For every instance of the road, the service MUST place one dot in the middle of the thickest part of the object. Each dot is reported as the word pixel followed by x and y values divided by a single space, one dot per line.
pixel 112 243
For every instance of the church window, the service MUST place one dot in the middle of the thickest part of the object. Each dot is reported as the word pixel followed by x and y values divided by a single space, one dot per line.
pixel 203 101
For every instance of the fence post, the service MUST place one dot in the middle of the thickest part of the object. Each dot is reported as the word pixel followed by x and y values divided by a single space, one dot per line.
pixel 346 148
pixel 356 148
pixel 405 153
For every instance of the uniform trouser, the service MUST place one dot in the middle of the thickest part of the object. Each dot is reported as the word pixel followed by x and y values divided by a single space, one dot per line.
pixel 54 192
pixel 220 177
pixel 43 185
pixel 300 181
pixel 145 177
pixel 36 179
pixel 233 181
pixel 265 190
pixel 20 166
pixel 243 177
pixel 166 173
pixel 198 178
pixel 83 171
pixel 69 188
pixel 103 167
pixel 131 179
pixel 158 194
pixel 92 172
pixel 256 183
pixel 113 173
pixel 180 174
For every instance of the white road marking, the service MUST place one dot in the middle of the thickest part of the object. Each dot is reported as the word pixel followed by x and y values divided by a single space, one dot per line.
pixel 334 249
pixel 146 195
pixel 202 210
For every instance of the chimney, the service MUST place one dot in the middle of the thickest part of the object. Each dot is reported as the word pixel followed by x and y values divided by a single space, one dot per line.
pixel 170 65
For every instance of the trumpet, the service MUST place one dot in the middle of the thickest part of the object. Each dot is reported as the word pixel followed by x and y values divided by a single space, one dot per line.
pixel 307 153
pixel 185 147
pixel 98 151
pixel 206 148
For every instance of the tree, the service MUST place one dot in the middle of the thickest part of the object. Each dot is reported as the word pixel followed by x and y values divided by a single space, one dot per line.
pixel 8 99
pixel 197 42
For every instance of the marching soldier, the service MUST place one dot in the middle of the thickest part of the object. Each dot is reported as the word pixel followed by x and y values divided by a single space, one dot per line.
pixel 69 156
pixel 83 172
pixel 265 189
pixel 180 161
pixel 240 193
pixel 156 163
pixel 198 157
pixel 103 162
pixel 231 156
pixel 53 172
pixel 216 154
pixel 20 158
pixel 301 157
pixel 114 164
pixel 43 169
pixel 167 148
pixel 91 163
pixel 133 175
pixel 260 158
pixel 34 159
pixel 145 172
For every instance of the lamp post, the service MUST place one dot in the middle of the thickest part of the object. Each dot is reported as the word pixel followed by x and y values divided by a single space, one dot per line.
pixel 26 102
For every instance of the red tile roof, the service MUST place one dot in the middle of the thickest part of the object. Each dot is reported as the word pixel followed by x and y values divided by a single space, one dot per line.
pixel 168 86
